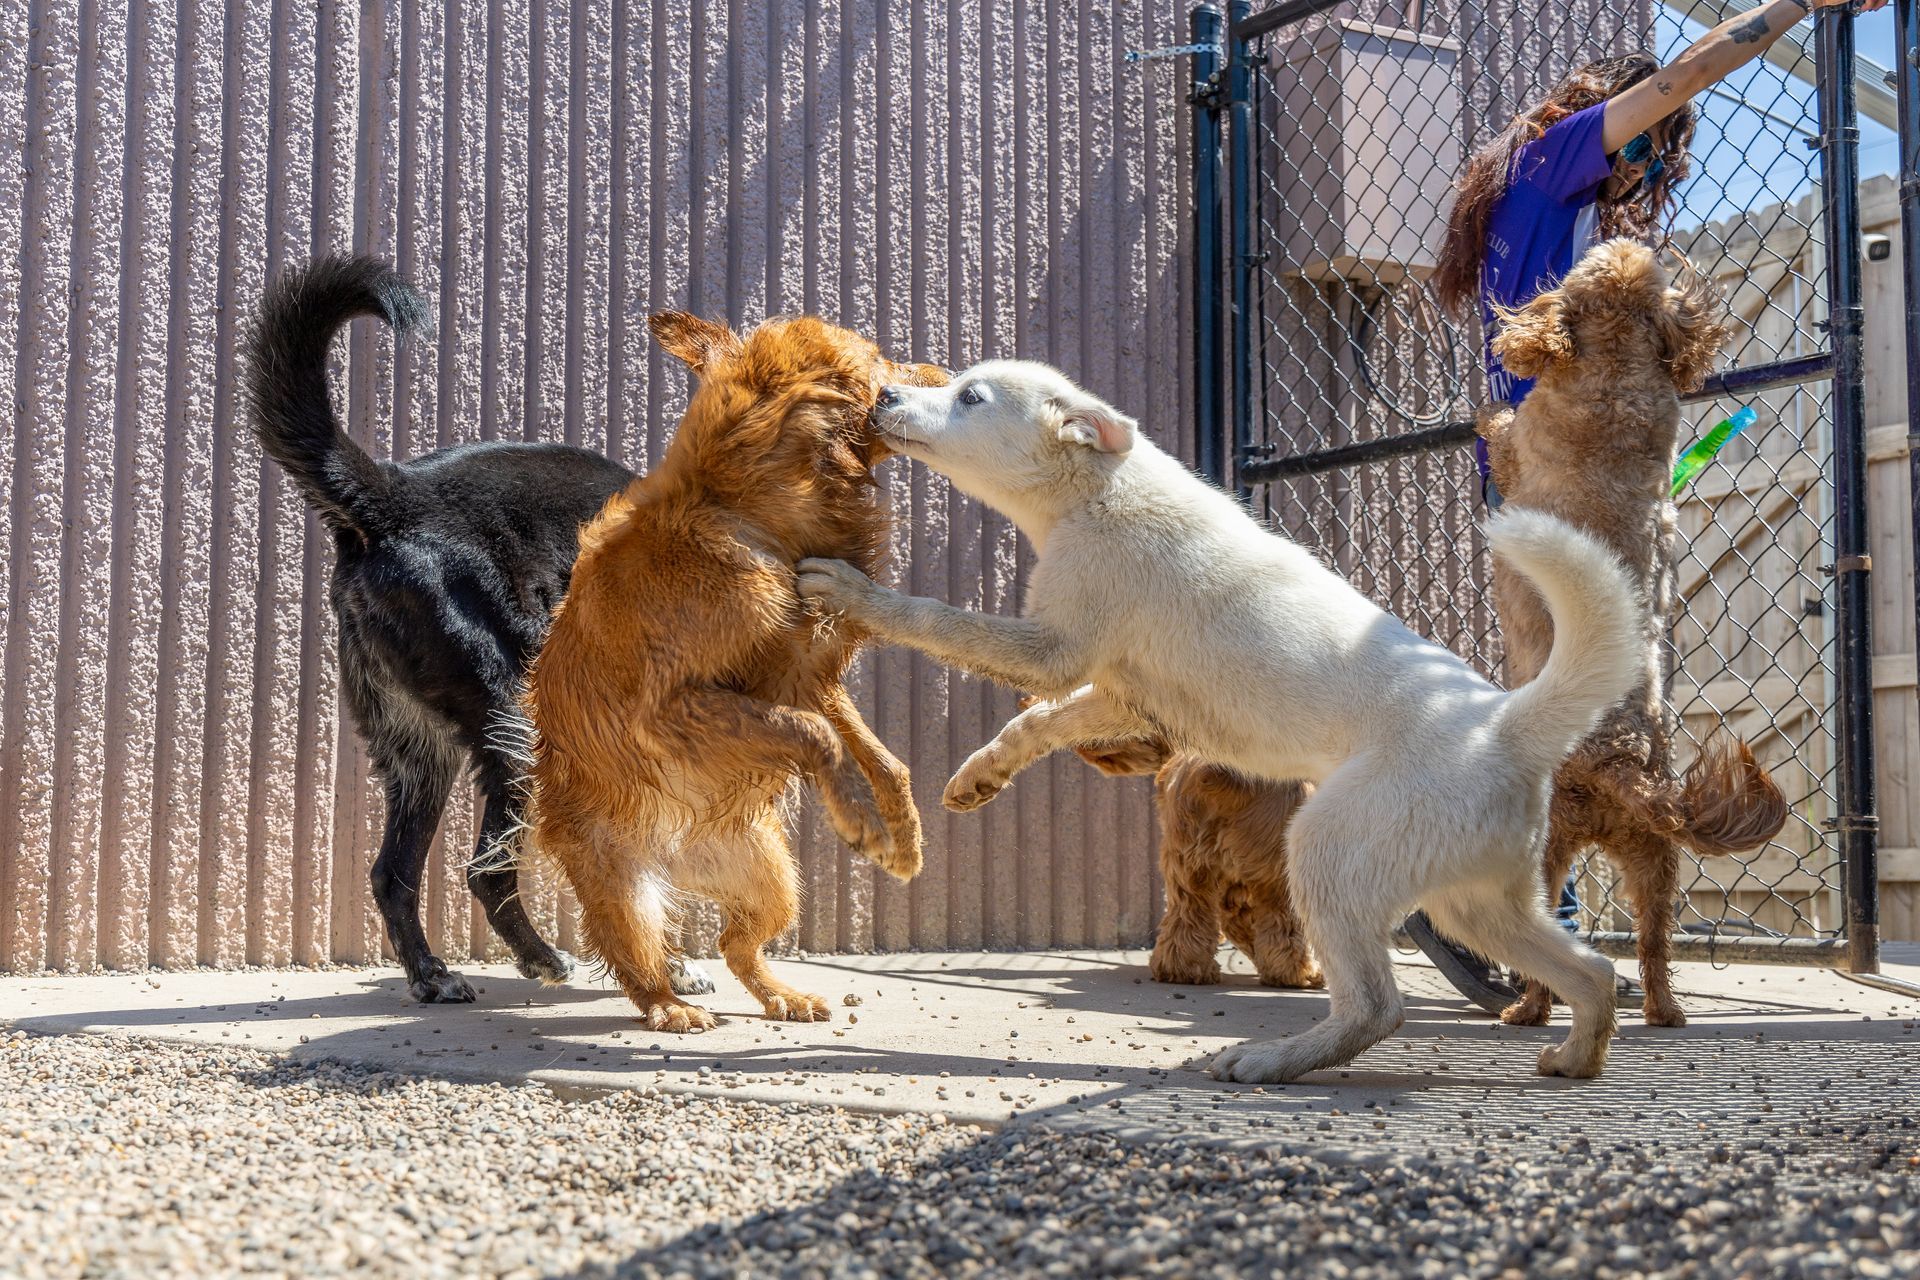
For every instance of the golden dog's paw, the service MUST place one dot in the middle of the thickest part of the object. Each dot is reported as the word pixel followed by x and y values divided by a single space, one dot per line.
pixel 1306 977
pixel 678 1016
pixel 900 860
pixel 1530 1010
pixel 861 828
pixel 855 817
pixel 1663 1013
pixel 796 1006
pixel 1190 971
pixel 978 781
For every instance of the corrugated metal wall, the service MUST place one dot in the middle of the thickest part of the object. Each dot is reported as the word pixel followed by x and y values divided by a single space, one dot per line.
pixel 176 786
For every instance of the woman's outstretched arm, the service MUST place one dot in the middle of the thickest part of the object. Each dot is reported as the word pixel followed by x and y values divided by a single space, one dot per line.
pixel 1705 62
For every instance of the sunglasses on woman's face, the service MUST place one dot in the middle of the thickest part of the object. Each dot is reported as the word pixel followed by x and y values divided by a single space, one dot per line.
pixel 1640 151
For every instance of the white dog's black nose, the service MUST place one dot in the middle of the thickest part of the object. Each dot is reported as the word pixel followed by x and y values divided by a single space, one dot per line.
pixel 889 397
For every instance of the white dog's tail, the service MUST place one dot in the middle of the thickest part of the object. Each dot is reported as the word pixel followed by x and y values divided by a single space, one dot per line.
pixel 1596 657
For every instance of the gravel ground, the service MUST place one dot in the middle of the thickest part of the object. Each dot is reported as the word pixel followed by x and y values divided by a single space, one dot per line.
pixel 122 1158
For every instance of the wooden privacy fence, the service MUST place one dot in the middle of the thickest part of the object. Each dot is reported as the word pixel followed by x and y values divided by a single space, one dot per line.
pixel 1755 582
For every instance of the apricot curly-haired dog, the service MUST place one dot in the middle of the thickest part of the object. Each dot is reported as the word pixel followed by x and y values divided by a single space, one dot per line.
pixel 1593 443
pixel 683 687
pixel 1223 839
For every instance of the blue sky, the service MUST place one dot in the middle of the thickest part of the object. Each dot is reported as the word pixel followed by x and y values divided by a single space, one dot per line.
pixel 1743 159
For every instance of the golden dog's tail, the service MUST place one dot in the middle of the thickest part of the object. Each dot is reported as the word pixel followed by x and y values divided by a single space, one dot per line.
pixel 1729 802
pixel 1725 803
pixel 1596 655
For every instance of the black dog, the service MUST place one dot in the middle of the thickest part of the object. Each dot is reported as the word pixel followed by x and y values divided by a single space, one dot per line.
pixel 448 569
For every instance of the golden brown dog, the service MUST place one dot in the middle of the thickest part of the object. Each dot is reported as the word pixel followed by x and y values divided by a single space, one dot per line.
pixel 683 687
pixel 1593 443
pixel 1223 861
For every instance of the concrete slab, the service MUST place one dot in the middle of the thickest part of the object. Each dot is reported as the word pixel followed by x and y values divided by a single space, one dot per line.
pixel 1085 1038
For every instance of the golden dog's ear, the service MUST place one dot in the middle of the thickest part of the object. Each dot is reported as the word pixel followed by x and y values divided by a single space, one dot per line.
pixel 1691 333
pixel 1534 339
pixel 694 341
pixel 1096 424
pixel 926 375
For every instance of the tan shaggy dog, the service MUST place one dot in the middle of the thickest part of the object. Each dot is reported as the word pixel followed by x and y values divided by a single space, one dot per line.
pixel 683 687
pixel 1223 862
pixel 1593 443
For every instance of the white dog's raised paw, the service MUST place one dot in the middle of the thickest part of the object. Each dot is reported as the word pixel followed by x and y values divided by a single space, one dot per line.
pixel 834 585
pixel 688 978
pixel 972 787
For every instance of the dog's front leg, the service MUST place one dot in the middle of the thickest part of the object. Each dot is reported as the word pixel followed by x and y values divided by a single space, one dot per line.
pixel 1014 651
pixel 892 786
pixel 1084 716
pixel 770 737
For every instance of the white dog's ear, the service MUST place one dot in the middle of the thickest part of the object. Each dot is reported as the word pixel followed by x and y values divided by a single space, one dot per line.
pixel 1097 425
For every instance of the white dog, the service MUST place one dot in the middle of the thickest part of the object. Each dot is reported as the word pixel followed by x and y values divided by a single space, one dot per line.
pixel 1159 607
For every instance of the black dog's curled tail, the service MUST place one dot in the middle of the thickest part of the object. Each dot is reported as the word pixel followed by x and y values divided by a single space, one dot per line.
pixel 286 380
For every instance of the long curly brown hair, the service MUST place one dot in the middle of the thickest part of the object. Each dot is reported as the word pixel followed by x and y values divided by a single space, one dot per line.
pixel 1638 214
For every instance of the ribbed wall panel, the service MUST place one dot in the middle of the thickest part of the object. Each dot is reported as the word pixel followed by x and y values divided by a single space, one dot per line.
pixel 979 179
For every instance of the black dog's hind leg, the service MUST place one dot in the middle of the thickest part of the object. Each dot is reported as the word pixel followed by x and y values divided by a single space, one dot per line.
pixel 416 797
pixel 494 877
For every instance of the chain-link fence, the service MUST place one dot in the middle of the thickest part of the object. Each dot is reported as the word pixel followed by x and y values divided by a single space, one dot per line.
pixel 1350 394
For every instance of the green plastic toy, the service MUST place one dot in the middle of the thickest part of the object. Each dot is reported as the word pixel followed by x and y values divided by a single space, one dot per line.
pixel 1701 452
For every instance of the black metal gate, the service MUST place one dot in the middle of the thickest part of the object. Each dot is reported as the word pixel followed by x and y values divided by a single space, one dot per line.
pixel 1335 393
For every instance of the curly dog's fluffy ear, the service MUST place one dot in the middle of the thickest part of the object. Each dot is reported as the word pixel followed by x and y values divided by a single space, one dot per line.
pixel 694 341
pixel 1534 339
pixel 1691 334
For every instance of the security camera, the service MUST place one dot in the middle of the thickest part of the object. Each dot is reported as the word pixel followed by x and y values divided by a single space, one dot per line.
pixel 1879 248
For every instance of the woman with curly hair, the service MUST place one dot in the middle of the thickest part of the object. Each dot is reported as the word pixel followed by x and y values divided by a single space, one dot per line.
pixel 1602 155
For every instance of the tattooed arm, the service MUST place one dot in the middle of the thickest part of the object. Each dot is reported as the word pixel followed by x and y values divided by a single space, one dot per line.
pixel 1707 61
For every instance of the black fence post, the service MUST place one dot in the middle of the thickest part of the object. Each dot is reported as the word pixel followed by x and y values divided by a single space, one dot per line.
pixel 1906 76
pixel 1856 822
pixel 1210 441
pixel 1241 143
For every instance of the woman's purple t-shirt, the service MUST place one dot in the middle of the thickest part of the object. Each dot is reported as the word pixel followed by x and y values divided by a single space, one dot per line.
pixel 1540 227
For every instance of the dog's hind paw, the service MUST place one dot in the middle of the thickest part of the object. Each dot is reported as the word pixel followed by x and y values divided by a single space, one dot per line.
pixel 1666 1013
pixel 550 970
pixel 1189 971
pixel 678 1016
pixel 688 978
pixel 796 1006
pixel 1306 977
pixel 1531 1010
pixel 440 986
pixel 1567 1060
